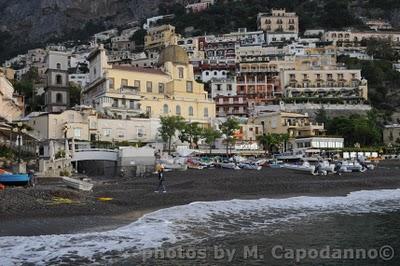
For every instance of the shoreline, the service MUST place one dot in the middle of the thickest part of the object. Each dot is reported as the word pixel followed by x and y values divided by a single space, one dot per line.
pixel 133 198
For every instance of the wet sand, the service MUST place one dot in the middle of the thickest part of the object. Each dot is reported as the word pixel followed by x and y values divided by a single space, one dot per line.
pixel 51 208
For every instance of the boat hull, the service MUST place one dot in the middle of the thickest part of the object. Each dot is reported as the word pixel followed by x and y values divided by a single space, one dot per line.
pixel 15 179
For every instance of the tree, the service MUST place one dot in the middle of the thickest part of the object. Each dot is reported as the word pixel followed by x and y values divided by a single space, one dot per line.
pixel 75 95
pixel 269 141
pixel 210 135
pixel 322 116
pixel 228 128
pixel 190 132
pixel 169 126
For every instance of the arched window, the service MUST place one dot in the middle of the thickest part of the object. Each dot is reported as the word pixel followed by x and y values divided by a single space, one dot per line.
pixel 58 66
pixel 206 112
pixel 178 110
pixel 59 80
pixel 190 111
pixel 165 109
pixel 59 98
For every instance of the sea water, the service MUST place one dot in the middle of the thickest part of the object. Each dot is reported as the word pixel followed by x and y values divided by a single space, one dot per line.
pixel 223 232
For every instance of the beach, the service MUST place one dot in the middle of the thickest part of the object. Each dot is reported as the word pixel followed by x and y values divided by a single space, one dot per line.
pixel 51 208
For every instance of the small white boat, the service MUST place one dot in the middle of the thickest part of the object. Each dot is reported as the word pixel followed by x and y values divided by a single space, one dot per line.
pixel 178 167
pixel 261 162
pixel 229 166
pixel 250 166
pixel 305 167
pixel 77 184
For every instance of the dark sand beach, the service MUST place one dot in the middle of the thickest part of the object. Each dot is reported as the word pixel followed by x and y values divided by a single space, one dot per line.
pixel 51 208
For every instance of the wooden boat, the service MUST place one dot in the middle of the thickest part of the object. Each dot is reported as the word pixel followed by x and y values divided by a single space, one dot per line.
pixel 77 184
pixel 10 179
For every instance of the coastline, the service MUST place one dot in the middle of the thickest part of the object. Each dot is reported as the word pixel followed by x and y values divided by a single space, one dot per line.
pixel 28 212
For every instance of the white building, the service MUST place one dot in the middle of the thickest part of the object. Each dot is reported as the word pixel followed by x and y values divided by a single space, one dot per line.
pixel 223 87
pixel 318 143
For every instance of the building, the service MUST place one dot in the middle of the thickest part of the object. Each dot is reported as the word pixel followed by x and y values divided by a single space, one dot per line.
pixel 8 73
pixel 326 85
pixel 191 45
pixel 223 87
pixel 151 22
pixel 88 126
pixel 278 21
pixel 11 105
pixel 244 37
pixel 122 43
pixel 160 37
pixel 126 91
pixel 316 143
pixel 294 124
pixel 378 24
pixel 276 38
pixel 217 48
pixel 57 91
pixel 391 134
pixel 236 105
pixel 351 38
pixel 200 6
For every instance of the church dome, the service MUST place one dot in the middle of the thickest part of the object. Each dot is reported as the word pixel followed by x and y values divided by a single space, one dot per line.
pixel 174 54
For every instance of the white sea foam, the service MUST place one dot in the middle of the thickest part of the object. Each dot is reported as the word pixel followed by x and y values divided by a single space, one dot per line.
pixel 191 222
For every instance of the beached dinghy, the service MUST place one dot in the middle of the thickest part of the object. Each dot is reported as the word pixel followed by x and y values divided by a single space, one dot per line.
pixel 250 166
pixel 10 179
pixel 305 167
pixel 77 184
pixel 229 166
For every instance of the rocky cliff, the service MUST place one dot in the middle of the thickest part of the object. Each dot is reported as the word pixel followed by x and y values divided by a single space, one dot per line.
pixel 24 23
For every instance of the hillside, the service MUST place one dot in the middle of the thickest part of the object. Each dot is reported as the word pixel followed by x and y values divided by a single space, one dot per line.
pixel 25 23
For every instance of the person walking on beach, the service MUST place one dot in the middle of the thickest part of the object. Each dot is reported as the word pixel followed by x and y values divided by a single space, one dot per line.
pixel 161 179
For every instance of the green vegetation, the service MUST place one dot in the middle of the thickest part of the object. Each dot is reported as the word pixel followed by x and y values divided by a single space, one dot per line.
pixel 226 16
pixel 210 135
pixel 383 84
pixel 228 129
pixel 190 132
pixel 364 130
pixel 272 141
pixel 169 126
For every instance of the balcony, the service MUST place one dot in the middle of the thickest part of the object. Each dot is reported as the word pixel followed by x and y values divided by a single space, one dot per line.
pixel 130 90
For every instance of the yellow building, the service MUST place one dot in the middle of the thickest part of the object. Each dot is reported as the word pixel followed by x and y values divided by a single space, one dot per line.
pixel 125 91
pixel 278 21
pixel 294 124
pixel 160 37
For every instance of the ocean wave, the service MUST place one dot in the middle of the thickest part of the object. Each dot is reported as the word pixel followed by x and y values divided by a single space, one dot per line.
pixel 193 222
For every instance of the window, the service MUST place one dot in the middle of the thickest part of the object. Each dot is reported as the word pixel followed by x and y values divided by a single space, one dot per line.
pixel 161 88
pixel 58 66
pixel 165 108
pixel 206 112
pixel 107 132
pixel 149 86
pixel 137 84
pixel 59 98
pixel 178 110
pixel 111 83
pixel 189 86
pixel 124 82
pixel 190 111
pixel 77 133
pixel 59 80
pixel 180 70
pixel 148 109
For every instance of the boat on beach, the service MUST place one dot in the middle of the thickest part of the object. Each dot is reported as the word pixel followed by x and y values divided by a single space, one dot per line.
pixel 250 166
pixel 9 179
pixel 229 166
pixel 77 184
